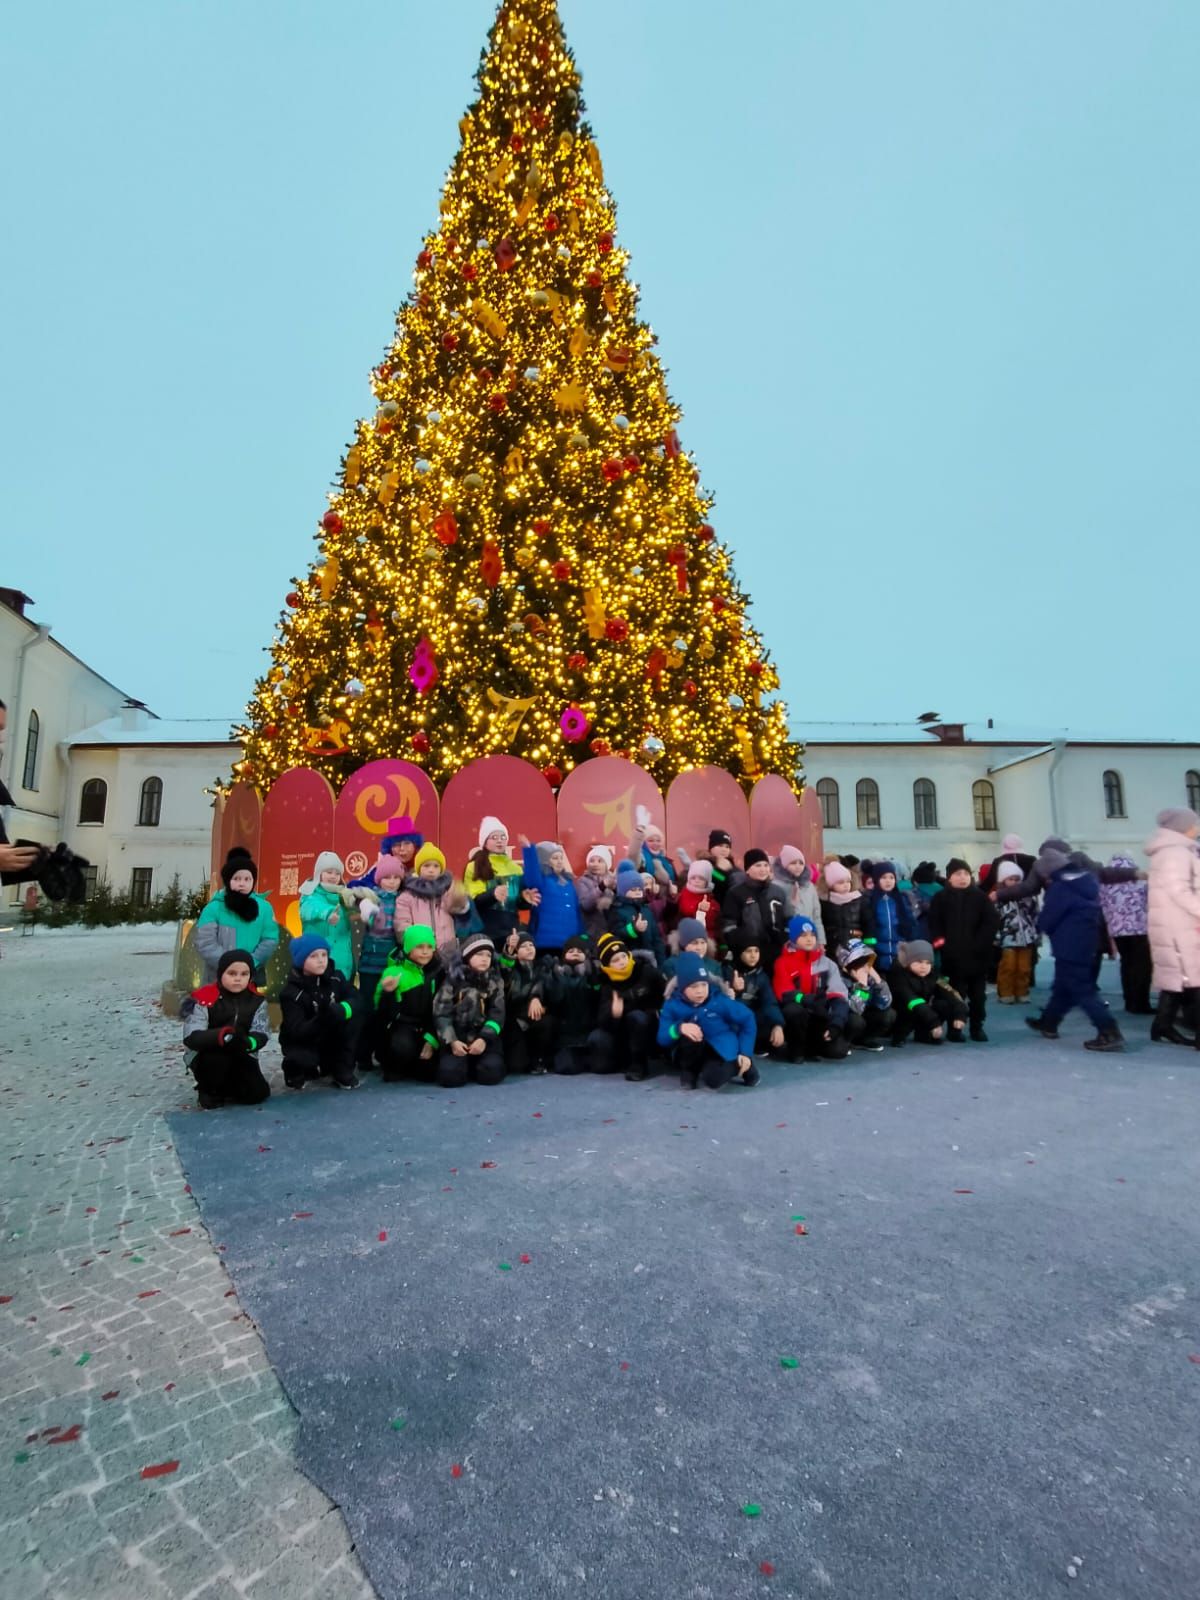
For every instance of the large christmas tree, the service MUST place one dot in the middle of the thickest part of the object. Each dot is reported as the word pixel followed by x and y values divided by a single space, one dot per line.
pixel 518 555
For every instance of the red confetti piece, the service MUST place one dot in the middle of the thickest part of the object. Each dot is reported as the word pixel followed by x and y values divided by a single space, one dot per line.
pixel 111 1395
pixel 524 1260
pixel 299 1216
pixel 229 1294
pixel 187 1188
pixel 486 1164
pixel 1029 1162
pixel 161 1470
pixel 454 1172
pixel 71 1436
pixel 1195 1360
pixel 5 1299
pixel 90 1212
pixel 456 1471
pixel 148 1294
pixel 167 1387
pixel 964 1191
pixel 767 1570
pixel 30 1438
pixel 537 1113
pixel 624 1366
pixel 1120 1180
pixel 800 1228
pixel 448 1189
pixel 383 1236
pixel 781 1124
pixel 179 1232
pixel 264 1149
pixel 607 1120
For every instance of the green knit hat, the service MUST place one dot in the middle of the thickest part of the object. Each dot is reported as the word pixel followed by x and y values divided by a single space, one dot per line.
pixel 417 935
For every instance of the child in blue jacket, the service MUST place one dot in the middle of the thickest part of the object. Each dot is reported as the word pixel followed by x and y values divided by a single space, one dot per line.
pixel 708 1035
pixel 894 924
pixel 556 913
pixel 1071 920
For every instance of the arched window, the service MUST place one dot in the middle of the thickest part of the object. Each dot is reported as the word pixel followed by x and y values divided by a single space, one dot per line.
pixel 1193 790
pixel 33 738
pixel 831 802
pixel 924 803
pixel 93 799
pixel 984 797
pixel 1114 794
pixel 150 804
pixel 866 801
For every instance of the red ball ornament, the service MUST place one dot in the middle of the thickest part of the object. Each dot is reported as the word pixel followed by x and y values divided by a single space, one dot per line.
pixel 470 272
pixel 756 669
pixel 671 444
pixel 498 401
pixel 551 223
pixel 706 533
pixel 505 254
pixel 449 341
pixel 420 743
pixel 612 470
pixel 553 776
pixel 600 747
pixel 541 527
pixel 690 689
pixel 632 464
pixel 539 120
pixel 594 279
pixel 293 599
pixel 577 662
pixel 562 570
pixel 485 376
pixel 425 260
pixel 331 522
pixel 616 628
pixel 445 527
pixel 718 603
pixel 271 731
pixel 516 143
pixel 604 243
pixel 676 555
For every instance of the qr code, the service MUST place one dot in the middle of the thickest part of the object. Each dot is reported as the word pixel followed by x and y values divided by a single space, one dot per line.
pixel 289 880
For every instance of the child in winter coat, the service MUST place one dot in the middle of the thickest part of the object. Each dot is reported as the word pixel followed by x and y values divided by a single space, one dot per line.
pixel 630 918
pixel 869 997
pixel 377 912
pixel 846 911
pixel 924 1005
pixel 627 1010
pixel 698 899
pixel 492 861
pixel 321 1018
pixel 527 1027
pixel 892 914
pixel 1018 939
pixel 401 843
pixel 469 1009
pixel 709 1036
pixel 812 997
pixel 1126 907
pixel 225 1025
pixel 325 907
pixel 237 919
pixel 407 1042
pixel 571 996
pixel 596 886
pixel 693 940
pixel 748 981
pixel 547 876
pixel 428 896
pixel 964 924
pixel 648 850
pixel 794 877
pixel 1070 919
pixel 754 903
pixel 720 854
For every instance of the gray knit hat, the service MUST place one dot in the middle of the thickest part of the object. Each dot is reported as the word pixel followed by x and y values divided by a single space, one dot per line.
pixel 914 950
pixel 1180 819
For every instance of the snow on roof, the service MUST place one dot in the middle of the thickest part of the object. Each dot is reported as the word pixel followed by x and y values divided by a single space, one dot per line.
pixel 151 730
pixel 973 733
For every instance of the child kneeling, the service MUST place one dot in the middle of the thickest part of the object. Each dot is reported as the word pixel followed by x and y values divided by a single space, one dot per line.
pixel 710 1037
pixel 469 1009
pixel 812 997
pixel 932 1009
pixel 404 1008
pixel 225 1024
pixel 321 1018
pixel 871 1018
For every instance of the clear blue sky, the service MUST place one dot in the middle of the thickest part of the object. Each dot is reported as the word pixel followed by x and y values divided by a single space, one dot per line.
pixel 924 275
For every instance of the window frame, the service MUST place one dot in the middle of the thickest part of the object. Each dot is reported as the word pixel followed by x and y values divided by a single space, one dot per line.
pixel 152 789
pixel 141 878
pixel 93 785
pixel 1191 788
pixel 830 800
pixel 1114 792
pixel 866 795
pixel 925 805
pixel 33 745
pixel 983 803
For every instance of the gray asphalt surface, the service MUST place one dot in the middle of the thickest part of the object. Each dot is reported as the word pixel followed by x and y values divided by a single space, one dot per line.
pixel 993 1315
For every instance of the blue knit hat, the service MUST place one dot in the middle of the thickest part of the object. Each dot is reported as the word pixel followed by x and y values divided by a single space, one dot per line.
pixel 878 868
pixel 690 969
pixel 691 929
pixel 799 925
pixel 303 947
pixel 628 877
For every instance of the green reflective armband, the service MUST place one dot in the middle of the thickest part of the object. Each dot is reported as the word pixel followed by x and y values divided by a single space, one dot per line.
pixel 913 1004
pixel 252 1042
pixel 493 1025
pixel 871 941
pixel 431 1040
pixel 347 1009
pixel 674 1031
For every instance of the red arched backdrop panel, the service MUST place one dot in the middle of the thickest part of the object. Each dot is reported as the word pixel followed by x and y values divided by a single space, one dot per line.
pixel 776 816
pixel 241 824
pixel 597 804
pixel 495 786
pixel 812 839
pixel 370 799
pixel 297 823
pixel 703 799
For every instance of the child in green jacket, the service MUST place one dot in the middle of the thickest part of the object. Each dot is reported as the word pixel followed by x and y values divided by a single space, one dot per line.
pixel 236 919
pixel 325 909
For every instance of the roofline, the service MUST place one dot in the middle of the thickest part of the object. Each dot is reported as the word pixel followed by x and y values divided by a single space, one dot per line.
pixel 58 645
pixel 153 744
pixel 996 744
pixel 1017 761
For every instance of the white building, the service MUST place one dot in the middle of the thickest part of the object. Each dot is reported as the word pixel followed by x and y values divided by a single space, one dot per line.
pixel 930 790
pixel 88 765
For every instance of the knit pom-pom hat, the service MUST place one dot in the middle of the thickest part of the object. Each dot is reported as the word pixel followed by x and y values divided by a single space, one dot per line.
pixel 487 827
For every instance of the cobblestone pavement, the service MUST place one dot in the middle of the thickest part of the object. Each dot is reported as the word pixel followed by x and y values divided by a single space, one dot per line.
pixel 122 1344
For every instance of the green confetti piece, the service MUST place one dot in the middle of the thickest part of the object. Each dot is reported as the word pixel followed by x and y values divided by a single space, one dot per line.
pixel 21 1457
pixel 139 1261
pixel 399 1423
pixel 799 1218
pixel 84 1359
pixel 751 1510
pixel 789 1363
pixel 506 1266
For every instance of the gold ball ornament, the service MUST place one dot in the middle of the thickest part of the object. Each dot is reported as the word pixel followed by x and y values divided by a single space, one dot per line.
pixel 706 651
pixel 525 558
pixel 473 481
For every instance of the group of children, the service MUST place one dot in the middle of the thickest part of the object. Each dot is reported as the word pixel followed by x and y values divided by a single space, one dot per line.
pixel 522 966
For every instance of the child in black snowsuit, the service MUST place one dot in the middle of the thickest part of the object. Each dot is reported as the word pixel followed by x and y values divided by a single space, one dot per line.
pixel 571 995
pixel 321 1016
pixel 869 996
pixel 527 1026
pixel 924 1005
pixel 225 1023
pixel 749 981
pixel 963 924
pixel 469 1009
pixel 407 1039
pixel 627 1017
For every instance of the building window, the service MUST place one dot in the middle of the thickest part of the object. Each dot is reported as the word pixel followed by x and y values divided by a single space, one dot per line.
pixel 150 804
pixel 91 876
pixel 32 739
pixel 93 799
pixel 866 798
pixel 831 802
pixel 924 803
pixel 984 797
pixel 1193 791
pixel 139 886
pixel 1114 794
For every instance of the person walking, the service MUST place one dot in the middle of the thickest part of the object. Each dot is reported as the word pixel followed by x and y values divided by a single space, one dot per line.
pixel 1173 922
